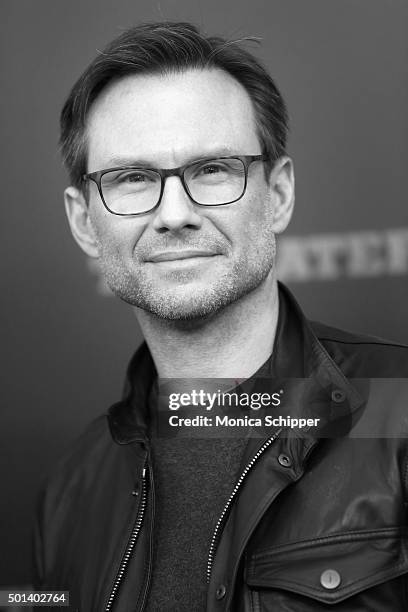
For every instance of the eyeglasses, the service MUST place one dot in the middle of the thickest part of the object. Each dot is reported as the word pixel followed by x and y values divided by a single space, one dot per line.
pixel 132 190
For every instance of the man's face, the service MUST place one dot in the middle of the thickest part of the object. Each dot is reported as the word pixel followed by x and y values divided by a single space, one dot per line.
pixel 181 260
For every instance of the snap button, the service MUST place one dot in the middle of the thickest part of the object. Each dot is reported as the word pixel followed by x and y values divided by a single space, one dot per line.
pixel 220 592
pixel 285 460
pixel 330 579
pixel 338 396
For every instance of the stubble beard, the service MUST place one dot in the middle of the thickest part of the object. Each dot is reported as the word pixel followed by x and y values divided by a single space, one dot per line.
pixel 176 301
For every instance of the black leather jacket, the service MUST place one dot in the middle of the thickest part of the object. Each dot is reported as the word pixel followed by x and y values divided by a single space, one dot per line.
pixel 318 521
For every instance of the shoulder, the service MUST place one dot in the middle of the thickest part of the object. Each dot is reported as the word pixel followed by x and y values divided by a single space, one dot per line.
pixel 75 471
pixel 360 355
pixel 88 447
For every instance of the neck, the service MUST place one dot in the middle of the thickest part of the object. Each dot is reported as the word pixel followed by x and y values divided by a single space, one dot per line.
pixel 233 343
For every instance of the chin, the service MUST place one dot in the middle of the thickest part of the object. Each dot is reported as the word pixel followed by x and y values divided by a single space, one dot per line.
pixel 176 309
pixel 189 301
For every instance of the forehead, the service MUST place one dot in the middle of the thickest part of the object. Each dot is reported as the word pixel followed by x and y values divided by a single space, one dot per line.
pixel 168 119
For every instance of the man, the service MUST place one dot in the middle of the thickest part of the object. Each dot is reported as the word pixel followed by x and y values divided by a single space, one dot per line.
pixel 175 144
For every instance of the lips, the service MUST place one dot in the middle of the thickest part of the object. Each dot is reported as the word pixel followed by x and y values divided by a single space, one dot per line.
pixel 179 255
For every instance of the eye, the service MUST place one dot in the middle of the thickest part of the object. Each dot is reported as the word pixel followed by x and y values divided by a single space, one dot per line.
pixel 129 181
pixel 138 176
pixel 211 168
pixel 216 171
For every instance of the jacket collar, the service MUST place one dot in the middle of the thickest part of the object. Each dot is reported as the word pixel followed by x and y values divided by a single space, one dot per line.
pixel 297 355
pixel 129 418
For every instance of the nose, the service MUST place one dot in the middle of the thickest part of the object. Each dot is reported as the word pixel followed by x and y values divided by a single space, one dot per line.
pixel 176 210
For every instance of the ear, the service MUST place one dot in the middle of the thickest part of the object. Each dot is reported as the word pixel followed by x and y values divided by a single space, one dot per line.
pixel 282 185
pixel 82 230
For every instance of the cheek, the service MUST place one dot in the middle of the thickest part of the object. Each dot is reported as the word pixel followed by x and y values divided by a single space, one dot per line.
pixel 115 234
pixel 252 221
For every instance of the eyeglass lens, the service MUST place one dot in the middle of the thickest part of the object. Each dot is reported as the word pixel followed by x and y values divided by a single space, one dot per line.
pixel 211 182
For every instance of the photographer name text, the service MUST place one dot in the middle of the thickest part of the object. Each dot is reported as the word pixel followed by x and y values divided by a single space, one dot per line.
pixel 246 421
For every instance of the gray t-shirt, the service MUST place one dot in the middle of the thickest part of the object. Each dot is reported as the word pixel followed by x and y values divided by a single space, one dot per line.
pixel 194 478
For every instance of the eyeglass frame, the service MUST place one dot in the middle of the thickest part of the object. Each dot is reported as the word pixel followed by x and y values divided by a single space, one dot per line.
pixel 164 173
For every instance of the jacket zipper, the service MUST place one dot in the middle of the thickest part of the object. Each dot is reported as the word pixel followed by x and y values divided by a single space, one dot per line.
pixel 130 546
pixel 221 520
pixel 149 569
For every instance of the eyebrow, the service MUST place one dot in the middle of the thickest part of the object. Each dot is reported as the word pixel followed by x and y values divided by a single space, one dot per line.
pixel 146 163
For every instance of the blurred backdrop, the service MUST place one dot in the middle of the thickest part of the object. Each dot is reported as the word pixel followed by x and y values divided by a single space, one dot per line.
pixel 341 66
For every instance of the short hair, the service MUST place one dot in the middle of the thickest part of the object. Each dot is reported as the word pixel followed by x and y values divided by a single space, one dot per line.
pixel 164 48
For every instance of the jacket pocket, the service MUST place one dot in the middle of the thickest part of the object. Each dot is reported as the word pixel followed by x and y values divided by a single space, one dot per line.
pixel 331 570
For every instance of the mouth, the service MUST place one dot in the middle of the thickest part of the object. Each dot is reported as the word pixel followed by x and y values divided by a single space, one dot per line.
pixel 180 255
